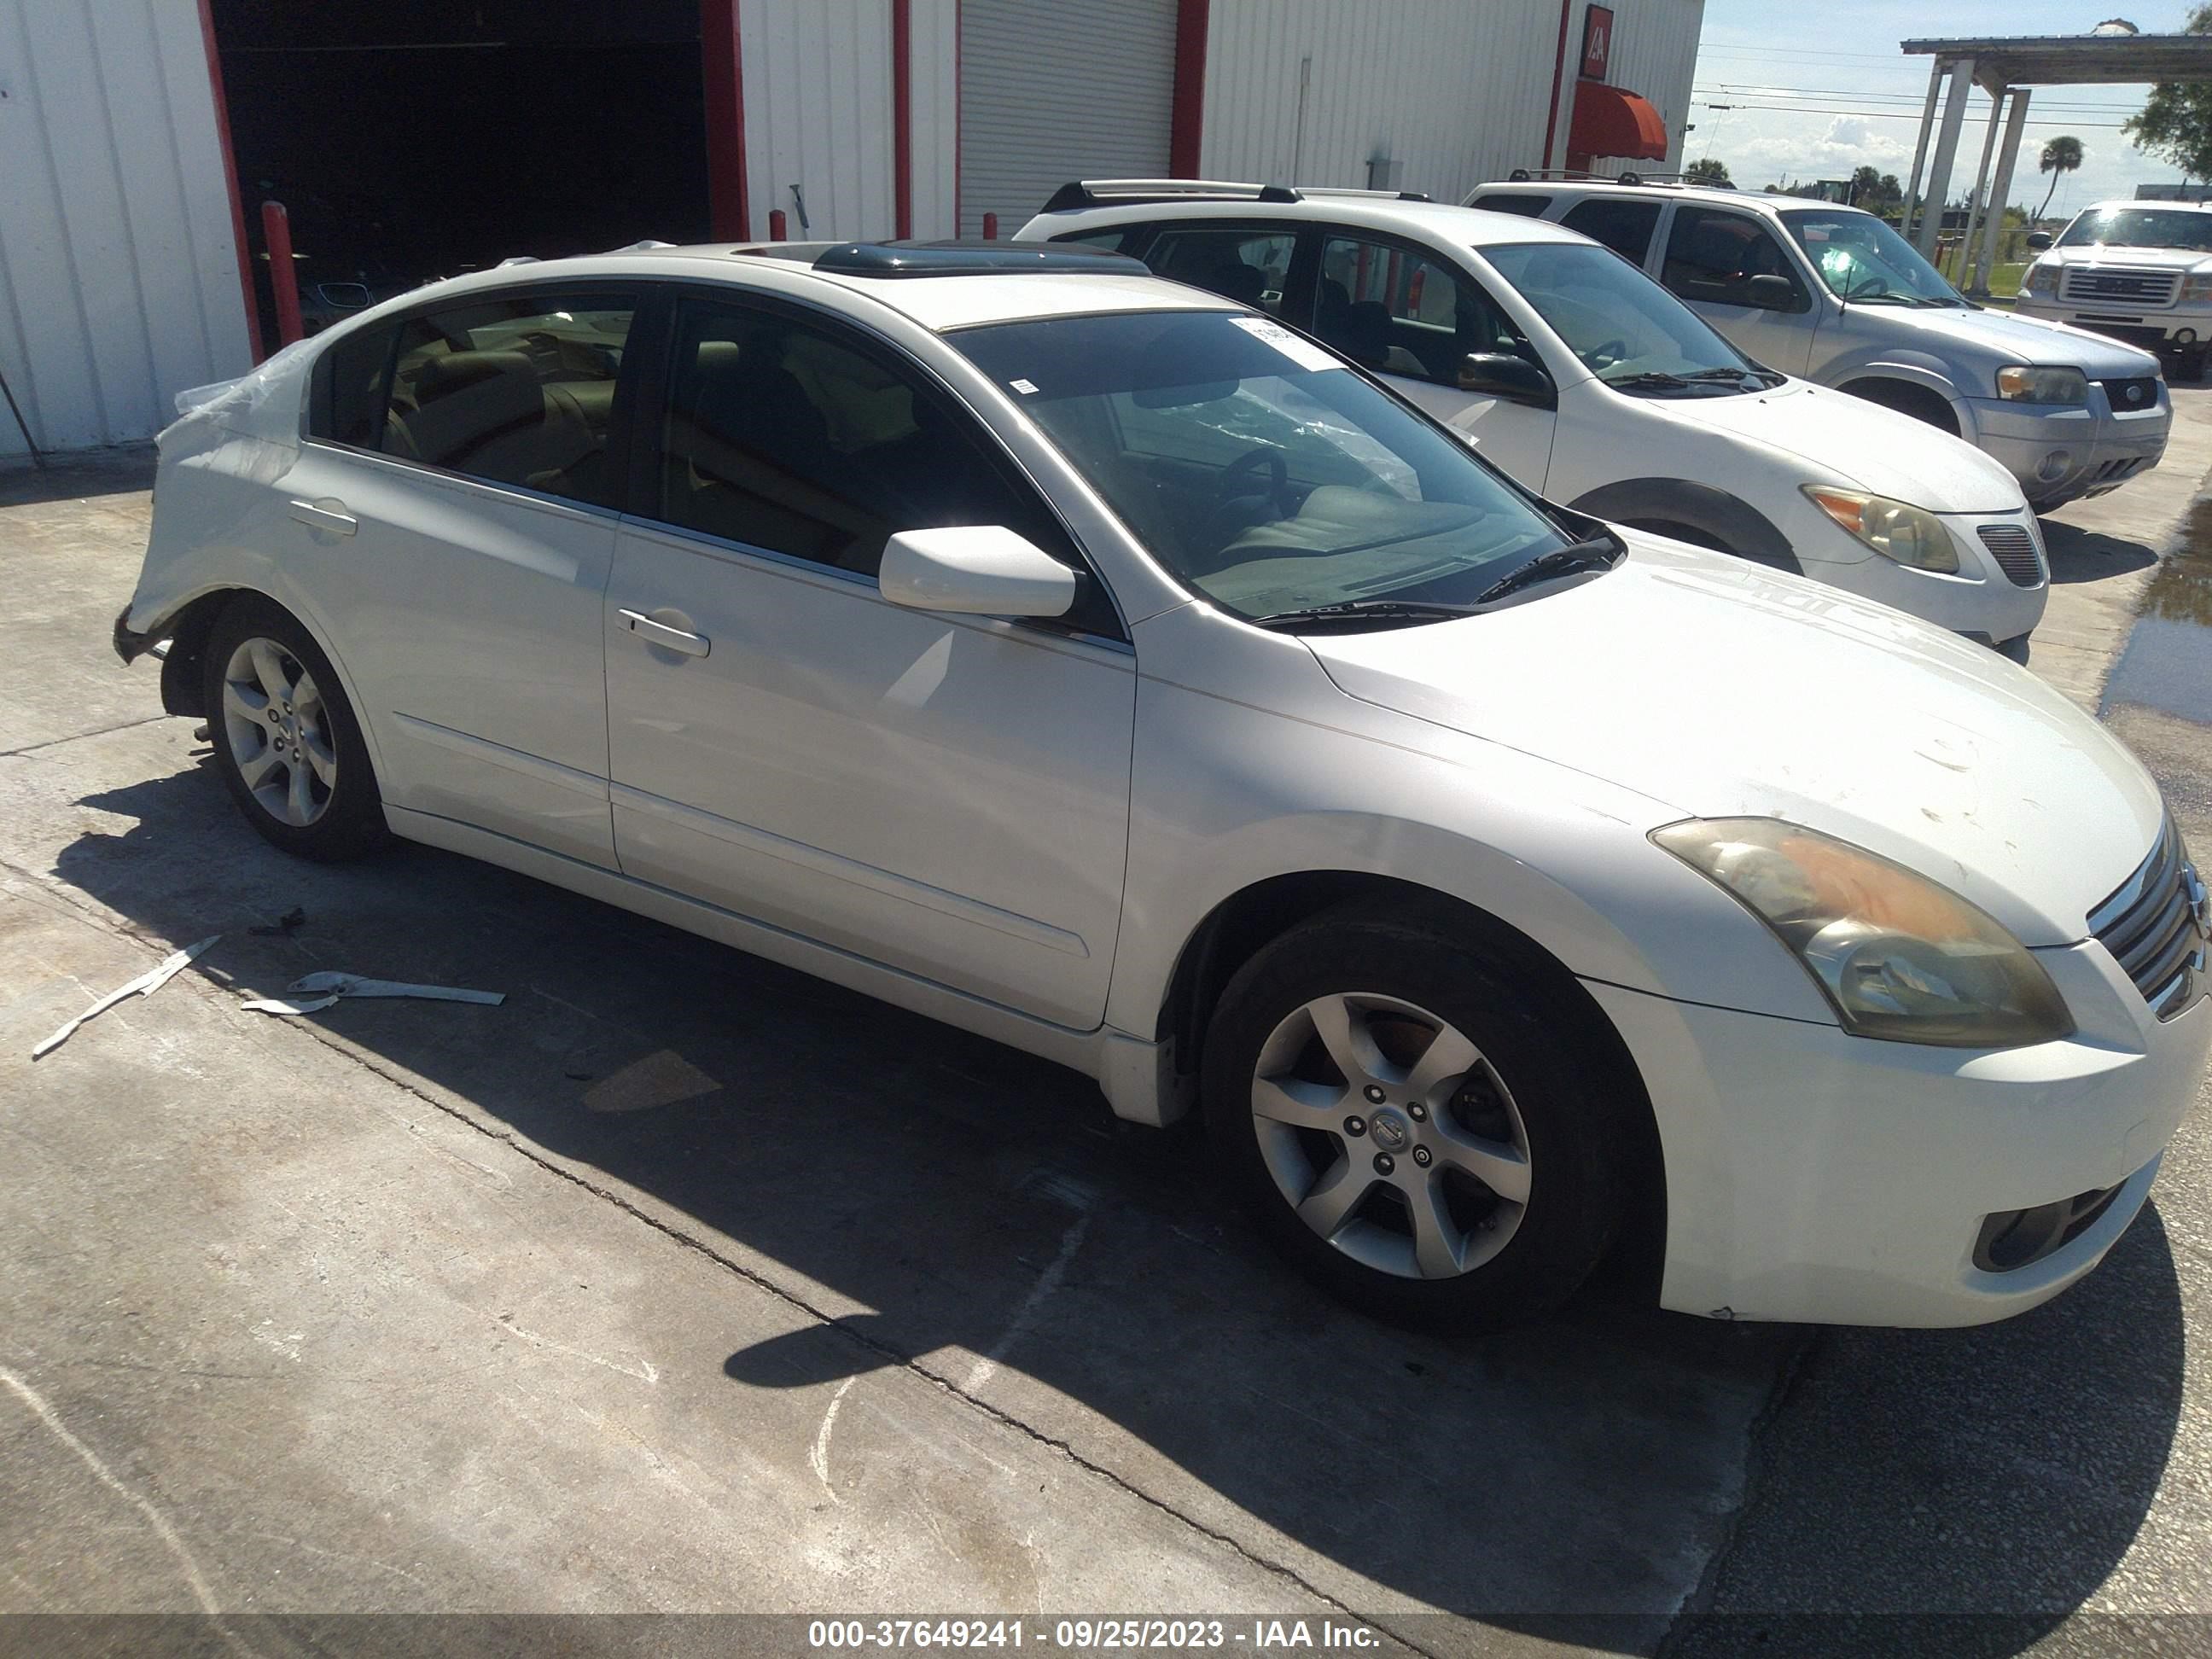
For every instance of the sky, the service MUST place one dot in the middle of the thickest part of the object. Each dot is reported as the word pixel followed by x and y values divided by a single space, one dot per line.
pixel 1840 96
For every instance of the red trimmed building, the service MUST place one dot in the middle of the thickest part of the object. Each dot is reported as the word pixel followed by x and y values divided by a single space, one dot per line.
pixel 411 141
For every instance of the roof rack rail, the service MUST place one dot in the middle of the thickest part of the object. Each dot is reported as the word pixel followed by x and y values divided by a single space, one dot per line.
pixel 1108 192
pixel 1130 192
pixel 971 258
pixel 1583 176
pixel 1371 195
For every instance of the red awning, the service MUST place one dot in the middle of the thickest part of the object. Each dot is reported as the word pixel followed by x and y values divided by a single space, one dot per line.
pixel 1613 121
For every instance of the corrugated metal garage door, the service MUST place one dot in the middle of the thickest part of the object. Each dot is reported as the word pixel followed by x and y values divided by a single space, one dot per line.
pixel 1053 92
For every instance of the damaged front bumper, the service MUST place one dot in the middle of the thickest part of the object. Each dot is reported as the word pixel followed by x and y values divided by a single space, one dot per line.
pixel 131 646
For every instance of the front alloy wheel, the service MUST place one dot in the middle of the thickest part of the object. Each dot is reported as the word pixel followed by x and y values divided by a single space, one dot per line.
pixel 1421 1114
pixel 1390 1136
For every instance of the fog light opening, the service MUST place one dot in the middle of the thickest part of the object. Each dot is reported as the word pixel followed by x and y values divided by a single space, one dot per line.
pixel 2055 465
pixel 2185 337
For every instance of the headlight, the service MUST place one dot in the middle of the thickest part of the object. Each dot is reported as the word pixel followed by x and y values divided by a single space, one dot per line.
pixel 2024 384
pixel 1910 535
pixel 2041 278
pixel 1898 957
pixel 2196 287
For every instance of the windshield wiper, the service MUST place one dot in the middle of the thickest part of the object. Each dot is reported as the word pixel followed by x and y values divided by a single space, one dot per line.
pixel 1361 610
pixel 1652 377
pixel 1599 553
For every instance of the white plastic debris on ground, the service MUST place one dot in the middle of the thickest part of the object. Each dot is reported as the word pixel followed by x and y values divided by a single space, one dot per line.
pixel 313 992
pixel 144 985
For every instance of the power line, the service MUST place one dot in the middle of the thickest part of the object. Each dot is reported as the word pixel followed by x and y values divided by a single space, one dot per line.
pixel 1885 114
pixel 1769 88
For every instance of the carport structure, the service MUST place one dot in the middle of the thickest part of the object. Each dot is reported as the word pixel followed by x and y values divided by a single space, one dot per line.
pixel 2007 68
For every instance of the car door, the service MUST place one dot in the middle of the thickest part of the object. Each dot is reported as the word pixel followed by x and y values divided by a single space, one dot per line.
pixel 946 795
pixel 1712 255
pixel 454 511
pixel 1410 314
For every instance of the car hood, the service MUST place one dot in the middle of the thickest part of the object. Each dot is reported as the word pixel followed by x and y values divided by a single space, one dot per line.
pixel 1999 338
pixel 1844 440
pixel 1718 690
pixel 2120 253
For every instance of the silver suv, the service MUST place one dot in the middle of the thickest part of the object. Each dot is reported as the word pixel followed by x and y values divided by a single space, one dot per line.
pixel 1834 295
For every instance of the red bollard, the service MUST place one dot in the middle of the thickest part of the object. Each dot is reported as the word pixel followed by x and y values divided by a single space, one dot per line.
pixel 775 223
pixel 990 226
pixel 283 281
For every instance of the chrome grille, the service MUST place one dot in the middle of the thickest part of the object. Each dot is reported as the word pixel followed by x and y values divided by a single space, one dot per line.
pixel 2140 287
pixel 2014 550
pixel 2156 926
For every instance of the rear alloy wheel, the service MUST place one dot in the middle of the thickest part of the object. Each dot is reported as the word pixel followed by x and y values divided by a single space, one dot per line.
pixel 1416 1122
pixel 278 730
pixel 285 739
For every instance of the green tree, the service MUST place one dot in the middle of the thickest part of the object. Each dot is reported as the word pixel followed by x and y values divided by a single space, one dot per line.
pixel 2175 124
pixel 1866 185
pixel 1706 170
pixel 2061 156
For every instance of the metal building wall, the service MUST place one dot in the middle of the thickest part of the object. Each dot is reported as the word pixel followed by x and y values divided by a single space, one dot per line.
pixel 1054 93
pixel 817 101
pixel 819 114
pixel 1456 91
pixel 118 263
pixel 1655 54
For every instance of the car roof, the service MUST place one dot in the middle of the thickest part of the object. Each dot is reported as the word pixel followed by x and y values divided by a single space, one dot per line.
pixel 975 292
pixel 1440 221
pixel 2140 202
pixel 1753 201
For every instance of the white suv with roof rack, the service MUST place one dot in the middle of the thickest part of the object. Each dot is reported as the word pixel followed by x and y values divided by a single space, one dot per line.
pixel 1834 294
pixel 2140 271
pixel 1592 387
pixel 1098 665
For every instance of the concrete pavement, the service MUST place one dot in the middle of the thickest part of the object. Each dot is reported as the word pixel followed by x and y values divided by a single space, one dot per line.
pixel 683 1283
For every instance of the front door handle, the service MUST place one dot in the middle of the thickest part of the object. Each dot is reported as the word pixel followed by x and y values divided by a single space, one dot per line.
pixel 328 514
pixel 660 634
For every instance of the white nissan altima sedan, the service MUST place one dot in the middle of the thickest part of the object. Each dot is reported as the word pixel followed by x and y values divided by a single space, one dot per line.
pixel 1097 665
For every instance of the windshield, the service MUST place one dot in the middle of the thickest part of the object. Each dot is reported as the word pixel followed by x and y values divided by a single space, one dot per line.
pixel 1627 330
pixel 2129 227
pixel 1864 261
pixel 1255 466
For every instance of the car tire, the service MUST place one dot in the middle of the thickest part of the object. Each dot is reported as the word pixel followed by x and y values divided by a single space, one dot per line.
pixel 285 739
pixel 1485 1192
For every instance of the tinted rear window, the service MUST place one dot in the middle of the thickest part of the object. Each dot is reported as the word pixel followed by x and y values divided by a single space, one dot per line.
pixel 1529 207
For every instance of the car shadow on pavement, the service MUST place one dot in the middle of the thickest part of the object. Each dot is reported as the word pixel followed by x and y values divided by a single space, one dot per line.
pixel 2089 555
pixel 943 1202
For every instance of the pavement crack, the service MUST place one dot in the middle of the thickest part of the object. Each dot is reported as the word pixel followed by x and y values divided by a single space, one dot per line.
pixel 79 737
pixel 885 1351
pixel 1700 1599
pixel 516 1143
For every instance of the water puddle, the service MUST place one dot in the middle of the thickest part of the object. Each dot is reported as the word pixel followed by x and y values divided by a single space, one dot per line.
pixel 2167 663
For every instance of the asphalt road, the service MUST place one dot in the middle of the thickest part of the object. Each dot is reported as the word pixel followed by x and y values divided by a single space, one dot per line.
pixel 680 1283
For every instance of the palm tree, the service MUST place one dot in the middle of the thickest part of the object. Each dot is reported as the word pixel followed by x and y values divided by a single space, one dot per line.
pixel 2060 157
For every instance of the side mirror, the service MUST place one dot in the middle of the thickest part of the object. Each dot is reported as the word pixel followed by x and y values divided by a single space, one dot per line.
pixel 1501 375
pixel 1770 294
pixel 980 570
pixel 2038 240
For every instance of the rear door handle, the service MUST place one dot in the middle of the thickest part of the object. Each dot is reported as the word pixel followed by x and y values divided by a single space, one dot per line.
pixel 328 513
pixel 659 633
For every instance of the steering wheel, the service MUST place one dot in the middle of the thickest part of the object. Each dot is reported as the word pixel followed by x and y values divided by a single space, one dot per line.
pixel 1608 355
pixel 1232 513
pixel 1279 478
pixel 1867 287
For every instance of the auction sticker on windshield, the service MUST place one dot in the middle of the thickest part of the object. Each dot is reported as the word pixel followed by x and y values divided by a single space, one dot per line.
pixel 1302 352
